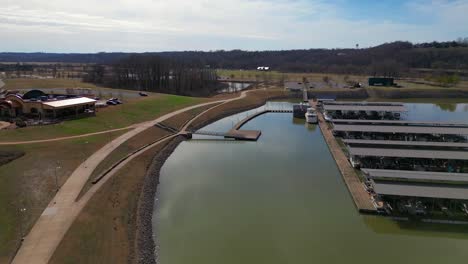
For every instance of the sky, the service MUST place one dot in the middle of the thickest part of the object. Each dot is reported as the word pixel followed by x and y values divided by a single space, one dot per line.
pixel 81 26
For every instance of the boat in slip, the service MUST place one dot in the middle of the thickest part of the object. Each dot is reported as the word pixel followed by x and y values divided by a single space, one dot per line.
pixel 311 116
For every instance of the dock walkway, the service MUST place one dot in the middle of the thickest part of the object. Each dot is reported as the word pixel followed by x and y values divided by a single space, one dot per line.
pixel 238 134
pixel 361 198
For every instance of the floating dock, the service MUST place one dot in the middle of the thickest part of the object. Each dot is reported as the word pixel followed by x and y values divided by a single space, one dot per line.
pixel 360 196
pixel 238 134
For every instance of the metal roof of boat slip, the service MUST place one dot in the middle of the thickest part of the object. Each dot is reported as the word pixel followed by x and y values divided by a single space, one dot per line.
pixel 402 129
pixel 409 153
pixel 362 103
pixel 405 143
pixel 421 190
pixel 416 175
pixel 363 107
pixel 401 122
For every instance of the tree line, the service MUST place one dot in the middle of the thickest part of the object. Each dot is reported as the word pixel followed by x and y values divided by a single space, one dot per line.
pixel 153 73
pixel 389 59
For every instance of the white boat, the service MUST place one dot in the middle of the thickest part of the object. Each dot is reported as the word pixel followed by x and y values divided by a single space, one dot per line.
pixel 311 116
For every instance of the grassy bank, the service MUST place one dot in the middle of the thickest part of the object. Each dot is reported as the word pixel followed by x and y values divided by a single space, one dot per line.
pixel 106 119
pixel 29 182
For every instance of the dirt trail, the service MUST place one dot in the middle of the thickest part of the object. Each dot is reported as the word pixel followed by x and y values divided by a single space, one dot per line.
pixel 50 228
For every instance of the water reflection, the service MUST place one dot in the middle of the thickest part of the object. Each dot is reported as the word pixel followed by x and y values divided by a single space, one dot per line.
pixel 381 225
pixel 447 107
pixel 233 87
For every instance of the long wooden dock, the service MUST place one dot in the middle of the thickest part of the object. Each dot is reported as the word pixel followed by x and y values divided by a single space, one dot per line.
pixel 361 198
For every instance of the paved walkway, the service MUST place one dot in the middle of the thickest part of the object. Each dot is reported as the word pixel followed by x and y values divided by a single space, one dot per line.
pixel 46 234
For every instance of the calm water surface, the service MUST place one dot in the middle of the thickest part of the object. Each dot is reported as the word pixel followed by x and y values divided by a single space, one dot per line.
pixel 282 200
pixel 234 87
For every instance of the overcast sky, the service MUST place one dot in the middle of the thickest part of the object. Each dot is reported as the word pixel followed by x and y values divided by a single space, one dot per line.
pixel 169 25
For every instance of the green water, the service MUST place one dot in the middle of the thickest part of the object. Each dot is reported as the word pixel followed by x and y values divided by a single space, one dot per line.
pixel 282 200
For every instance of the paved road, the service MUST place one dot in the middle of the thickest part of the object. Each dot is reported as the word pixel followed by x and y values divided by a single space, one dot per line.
pixel 46 234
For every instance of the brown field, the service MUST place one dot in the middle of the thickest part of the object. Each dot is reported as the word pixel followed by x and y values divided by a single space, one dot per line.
pixel 104 231
pixel 29 182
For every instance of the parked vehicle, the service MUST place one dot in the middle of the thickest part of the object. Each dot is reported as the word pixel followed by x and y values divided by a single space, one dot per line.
pixel 114 101
pixel 143 94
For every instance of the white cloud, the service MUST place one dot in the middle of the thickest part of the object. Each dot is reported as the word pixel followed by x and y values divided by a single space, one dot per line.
pixel 148 25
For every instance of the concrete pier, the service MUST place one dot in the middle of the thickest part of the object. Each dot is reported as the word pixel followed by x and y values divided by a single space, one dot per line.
pixel 361 198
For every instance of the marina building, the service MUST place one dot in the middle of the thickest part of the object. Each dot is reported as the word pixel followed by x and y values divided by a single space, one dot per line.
pixel 39 105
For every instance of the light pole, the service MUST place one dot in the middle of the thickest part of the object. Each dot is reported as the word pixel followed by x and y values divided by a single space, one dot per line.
pixel 21 211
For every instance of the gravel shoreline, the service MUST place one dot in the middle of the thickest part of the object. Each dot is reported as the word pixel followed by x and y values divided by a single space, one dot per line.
pixel 147 245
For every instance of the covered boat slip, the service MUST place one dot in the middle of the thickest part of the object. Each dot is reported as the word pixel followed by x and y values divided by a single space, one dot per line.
pixel 422 190
pixel 408 153
pixel 431 130
pixel 366 108
pixel 401 143
pixel 428 176
pixel 399 123
pixel 362 103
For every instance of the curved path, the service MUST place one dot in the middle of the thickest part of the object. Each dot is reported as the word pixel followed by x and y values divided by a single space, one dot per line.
pixel 46 234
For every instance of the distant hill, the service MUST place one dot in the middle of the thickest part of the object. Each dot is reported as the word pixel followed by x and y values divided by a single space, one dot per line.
pixel 391 58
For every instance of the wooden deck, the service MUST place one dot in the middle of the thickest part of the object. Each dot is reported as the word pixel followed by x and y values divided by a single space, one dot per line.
pixel 249 135
pixel 238 134
pixel 361 198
